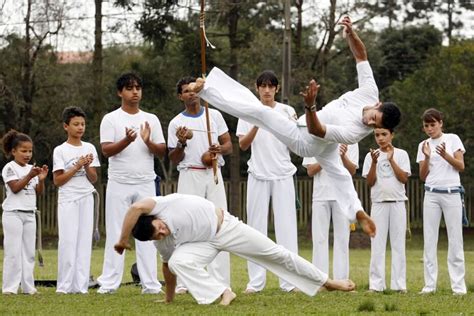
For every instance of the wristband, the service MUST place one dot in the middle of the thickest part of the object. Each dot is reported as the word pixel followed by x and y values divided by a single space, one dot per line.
pixel 180 145
pixel 311 108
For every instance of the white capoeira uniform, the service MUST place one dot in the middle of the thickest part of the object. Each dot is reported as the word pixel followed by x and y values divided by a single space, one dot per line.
pixel 342 117
pixel 19 231
pixel 131 178
pixel 197 179
pixel 324 208
pixel 75 219
pixel 270 174
pixel 443 177
pixel 188 251
pixel 389 214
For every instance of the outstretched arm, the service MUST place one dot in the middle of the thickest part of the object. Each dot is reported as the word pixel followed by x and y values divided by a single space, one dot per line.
pixel 137 209
pixel 170 281
pixel 355 43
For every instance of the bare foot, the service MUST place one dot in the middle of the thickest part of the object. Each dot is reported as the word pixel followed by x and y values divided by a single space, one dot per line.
pixel 227 297
pixel 250 291
pixel 181 290
pixel 367 224
pixel 196 86
pixel 339 285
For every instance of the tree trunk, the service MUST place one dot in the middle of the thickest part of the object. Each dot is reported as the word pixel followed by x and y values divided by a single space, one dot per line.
pixel 449 29
pixel 232 23
pixel 285 83
pixel 97 74
pixel 8 98
pixel 97 70
pixel 27 76
pixel 299 28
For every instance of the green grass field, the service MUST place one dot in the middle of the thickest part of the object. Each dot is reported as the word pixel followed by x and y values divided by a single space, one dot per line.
pixel 129 301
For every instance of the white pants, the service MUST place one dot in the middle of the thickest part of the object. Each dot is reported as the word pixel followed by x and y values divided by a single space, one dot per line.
pixel 201 183
pixel 19 235
pixel 390 218
pixel 240 102
pixel 450 206
pixel 118 199
pixel 321 217
pixel 282 193
pixel 75 225
pixel 190 259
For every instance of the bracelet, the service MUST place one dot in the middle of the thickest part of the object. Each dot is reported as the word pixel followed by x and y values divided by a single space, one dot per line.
pixel 311 108
pixel 181 145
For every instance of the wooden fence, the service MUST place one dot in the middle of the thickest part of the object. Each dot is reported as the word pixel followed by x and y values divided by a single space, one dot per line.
pixel 47 202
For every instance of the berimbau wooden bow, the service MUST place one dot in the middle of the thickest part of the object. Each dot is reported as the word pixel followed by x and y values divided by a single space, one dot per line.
pixel 205 42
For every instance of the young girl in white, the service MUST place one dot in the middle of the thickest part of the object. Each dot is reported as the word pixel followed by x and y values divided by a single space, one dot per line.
pixel 22 182
pixel 74 171
pixel 387 170
pixel 441 158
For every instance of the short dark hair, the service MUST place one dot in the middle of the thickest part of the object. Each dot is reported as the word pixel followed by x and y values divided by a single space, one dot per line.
pixel 181 82
pixel 432 115
pixel 144 229
pixel 128 79
pixel 72 111
pixel 267 77
pixel 390 115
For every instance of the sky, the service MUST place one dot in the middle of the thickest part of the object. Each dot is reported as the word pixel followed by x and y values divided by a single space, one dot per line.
pixel 78 31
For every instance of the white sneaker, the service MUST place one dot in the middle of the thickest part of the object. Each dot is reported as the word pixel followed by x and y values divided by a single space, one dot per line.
pixel 106 291
pixel 459 293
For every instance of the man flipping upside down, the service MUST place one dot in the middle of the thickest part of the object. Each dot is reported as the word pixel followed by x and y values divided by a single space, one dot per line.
pixel 346 120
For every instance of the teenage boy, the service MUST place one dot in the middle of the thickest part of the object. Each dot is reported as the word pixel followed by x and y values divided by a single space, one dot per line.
pixel 325 209
pixel 130 138
pixel 195 177
pixel 387 170
pixel 74 172
pixel 270 175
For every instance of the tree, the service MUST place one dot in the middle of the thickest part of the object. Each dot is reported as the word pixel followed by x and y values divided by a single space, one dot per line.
pixel 385 8
pixel 97 60
pixel 157 24
pixel 404 51
pixel 451 9
pixel 445 82
pixel 51 14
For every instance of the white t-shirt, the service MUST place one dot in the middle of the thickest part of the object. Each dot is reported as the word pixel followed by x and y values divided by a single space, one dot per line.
pixel 189 218
pixel 25 199
pixel 65 157
pixel 343 116
pixel 199 144
pixel 441 173
pixel 322 185
pixel 387 187
pixel 134 164
pixel 270 158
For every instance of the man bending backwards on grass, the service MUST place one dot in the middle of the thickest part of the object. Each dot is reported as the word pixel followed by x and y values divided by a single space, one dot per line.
pixel 189 232
pixel 346 120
